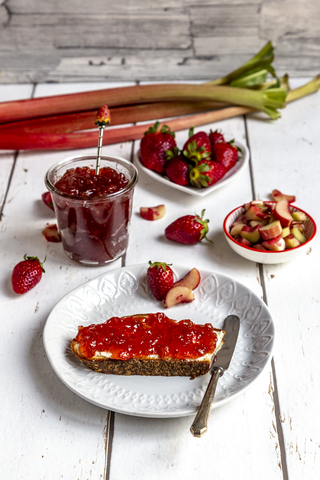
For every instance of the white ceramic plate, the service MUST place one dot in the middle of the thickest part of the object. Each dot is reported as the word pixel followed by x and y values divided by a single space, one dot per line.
pixel 124 291
pixel 201 192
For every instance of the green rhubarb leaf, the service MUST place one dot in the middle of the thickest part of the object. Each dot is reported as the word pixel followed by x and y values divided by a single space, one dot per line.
pixel 261 60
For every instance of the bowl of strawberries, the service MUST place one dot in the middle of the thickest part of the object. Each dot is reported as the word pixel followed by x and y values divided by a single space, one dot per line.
pixel 205 162
pixel 270 232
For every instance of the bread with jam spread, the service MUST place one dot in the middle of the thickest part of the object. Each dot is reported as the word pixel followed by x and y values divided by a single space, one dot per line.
pixel 148 344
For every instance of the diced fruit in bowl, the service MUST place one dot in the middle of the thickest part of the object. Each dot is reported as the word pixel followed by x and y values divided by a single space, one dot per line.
pixel 291 241
pixel 258 230
pixel 276 244
pixel 236 229
pixel 281 212
pixel 251 234
pixel 272 230
pixel 153 213
pixel 296 232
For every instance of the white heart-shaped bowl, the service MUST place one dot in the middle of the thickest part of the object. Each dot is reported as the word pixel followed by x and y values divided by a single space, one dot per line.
pixel 268 257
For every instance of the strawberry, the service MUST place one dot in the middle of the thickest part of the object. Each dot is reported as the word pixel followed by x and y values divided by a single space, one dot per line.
pixel 51 234
pixel 27 274
pixel 206 173
pixel 189 229
pixel 225 153
pixel 154 145
pixel 47 199
pixel 197 147
pixel 177 167
pixel 215 137
pixel 160 279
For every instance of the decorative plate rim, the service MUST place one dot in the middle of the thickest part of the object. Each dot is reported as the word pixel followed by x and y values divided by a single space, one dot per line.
pixel 158 397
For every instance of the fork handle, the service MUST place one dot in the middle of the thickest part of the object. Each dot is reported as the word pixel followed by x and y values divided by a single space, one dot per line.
pixel 200 423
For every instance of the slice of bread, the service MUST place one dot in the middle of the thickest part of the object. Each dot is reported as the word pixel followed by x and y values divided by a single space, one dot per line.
pixel 152 364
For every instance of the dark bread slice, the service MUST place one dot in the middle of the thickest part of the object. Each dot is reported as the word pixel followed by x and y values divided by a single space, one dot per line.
pixel 150 366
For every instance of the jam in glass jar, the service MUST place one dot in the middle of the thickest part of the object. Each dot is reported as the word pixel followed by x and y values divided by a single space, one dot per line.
pixel 93 211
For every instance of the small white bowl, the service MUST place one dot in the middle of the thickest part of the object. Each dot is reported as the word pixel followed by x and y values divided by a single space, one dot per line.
pixel 268 257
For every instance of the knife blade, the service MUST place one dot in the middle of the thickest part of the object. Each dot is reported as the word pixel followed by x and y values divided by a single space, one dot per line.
pixel 219 365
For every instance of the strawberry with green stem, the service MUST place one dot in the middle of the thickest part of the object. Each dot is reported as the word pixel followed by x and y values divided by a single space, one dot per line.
pixel 189 229
pixel 215 137
pixel 177 167
pixel 197 147
pixel 159 278
pixel 206 173
pixel 226 153
pixel 27 274
pixel 154 146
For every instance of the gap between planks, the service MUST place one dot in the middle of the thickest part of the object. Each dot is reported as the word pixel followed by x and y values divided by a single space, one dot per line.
pixel 265 299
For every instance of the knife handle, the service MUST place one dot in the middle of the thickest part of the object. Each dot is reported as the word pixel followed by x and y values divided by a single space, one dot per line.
pixel 200 423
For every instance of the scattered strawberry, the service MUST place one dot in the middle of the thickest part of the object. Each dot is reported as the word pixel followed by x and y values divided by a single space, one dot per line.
pixel 160 279
pixel 51 234
pixel 216 137
pixel 47 199
pixel 197 147
pixel 26 274
pixel 225 153
pixel 177 167
pixel 206 173
pixel 189 229
pixel 154 145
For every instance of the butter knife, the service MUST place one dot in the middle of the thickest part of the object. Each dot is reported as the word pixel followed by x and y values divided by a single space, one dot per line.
pixel 231 327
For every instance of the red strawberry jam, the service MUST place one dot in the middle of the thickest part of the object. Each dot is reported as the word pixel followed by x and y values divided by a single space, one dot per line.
pixel 93 212
pixel 140 336
pixel 83 182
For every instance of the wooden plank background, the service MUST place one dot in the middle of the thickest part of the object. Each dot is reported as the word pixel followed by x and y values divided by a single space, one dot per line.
pixel 127 40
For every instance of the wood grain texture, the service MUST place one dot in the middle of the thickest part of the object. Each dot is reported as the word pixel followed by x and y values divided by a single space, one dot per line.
pixel 114 41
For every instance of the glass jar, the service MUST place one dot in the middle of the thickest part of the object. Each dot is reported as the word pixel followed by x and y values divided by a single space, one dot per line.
pixel 94 226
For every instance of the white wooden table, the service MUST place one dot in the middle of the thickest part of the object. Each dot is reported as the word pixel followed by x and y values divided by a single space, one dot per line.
pixel 272 431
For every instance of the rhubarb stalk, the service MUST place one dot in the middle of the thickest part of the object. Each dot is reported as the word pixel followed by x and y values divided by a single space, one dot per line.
pixel 138 94
pixel 72 122
pixel 46 141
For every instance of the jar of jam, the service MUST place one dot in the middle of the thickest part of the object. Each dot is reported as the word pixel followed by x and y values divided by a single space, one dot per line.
pixel 93 210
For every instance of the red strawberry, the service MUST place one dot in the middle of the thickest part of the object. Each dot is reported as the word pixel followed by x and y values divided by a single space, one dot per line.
pixel 206 173
pixel 27 274
pixel 154 145
pixel 177 167
pixel 216 137
pixel 160 279
pixel 189 229
pixel 47 199
pixel 51 234
pixel 225 153
pixel 197 147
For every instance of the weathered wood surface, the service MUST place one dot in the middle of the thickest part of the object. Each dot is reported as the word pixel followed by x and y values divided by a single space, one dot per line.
pixel 269 432
pixel 62 41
